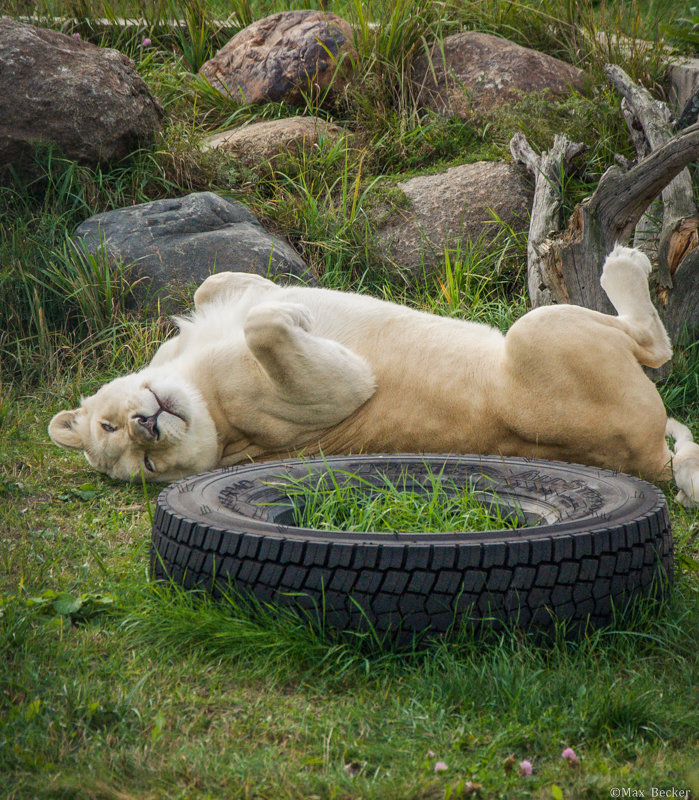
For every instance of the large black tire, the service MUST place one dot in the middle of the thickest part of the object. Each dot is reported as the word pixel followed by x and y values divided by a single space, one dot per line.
pixel 596 540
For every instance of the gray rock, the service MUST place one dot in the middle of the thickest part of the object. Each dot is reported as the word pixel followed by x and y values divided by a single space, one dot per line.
pixel 173 242
pixel 282 56
pixel 88 101
pixel 453 208
pixel 474 73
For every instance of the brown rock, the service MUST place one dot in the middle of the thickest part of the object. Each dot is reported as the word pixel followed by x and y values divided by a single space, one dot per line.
pixel 453 208
pixel 87 100
pixel 279 57
pixel 479 72
pixel 261 142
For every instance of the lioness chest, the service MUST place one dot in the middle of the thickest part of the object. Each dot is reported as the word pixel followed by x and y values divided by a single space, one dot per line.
pixel 438 380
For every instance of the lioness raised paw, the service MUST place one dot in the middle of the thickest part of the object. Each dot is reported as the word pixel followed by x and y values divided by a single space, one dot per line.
pixel 625 281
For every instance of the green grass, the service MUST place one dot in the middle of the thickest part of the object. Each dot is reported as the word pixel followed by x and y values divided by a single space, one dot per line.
pixel 342 501
pixel 154 692
pixel 112 688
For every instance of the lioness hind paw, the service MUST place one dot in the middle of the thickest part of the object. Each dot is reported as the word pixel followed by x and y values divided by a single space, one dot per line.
pixel 637 258
pixel 625 280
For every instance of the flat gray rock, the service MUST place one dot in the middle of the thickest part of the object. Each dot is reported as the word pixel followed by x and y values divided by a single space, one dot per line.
pixel 183 240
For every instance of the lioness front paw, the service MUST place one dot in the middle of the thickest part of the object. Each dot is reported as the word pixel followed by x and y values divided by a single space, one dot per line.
pixel 292 314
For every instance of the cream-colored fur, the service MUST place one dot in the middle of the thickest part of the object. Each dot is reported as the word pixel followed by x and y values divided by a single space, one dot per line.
pixel 263 371
pixel 685 463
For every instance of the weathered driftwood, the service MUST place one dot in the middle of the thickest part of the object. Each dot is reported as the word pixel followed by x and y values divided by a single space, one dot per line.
pixel 546 208
pixel 648 227
pixel 652 120
pixel 564 267
pixel 690 112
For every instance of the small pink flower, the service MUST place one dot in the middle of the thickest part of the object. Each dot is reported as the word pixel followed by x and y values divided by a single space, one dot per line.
pixel 431 754
pixel 76 36
pixel 440 766
pixel 146 42
pixel 570 757
pixel 525 767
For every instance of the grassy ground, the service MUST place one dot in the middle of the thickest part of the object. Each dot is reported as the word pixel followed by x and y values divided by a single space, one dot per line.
pixel 111 688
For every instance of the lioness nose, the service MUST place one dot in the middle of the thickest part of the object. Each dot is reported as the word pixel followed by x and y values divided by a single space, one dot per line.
pixel 149 423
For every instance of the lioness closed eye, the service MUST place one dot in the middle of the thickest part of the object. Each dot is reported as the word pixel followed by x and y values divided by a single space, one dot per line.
pixel 261 371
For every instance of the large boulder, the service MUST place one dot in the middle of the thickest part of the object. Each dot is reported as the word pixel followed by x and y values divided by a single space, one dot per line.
pixel 452 209
pixel 181 241
pixel 259 143
pixel 473 73
pixel 281 57
pixel 88 101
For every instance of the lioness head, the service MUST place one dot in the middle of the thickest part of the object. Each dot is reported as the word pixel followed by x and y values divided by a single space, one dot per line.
pixel 143 424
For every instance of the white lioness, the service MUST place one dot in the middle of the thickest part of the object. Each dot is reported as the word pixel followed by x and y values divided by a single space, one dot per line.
pixel 261 371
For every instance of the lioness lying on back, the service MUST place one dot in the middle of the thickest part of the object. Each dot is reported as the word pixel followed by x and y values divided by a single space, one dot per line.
pixel 262 371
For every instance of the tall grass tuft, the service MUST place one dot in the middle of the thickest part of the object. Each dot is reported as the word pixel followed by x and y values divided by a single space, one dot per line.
pixel 388 35
pixel 321 197
pixel 194 31
pixel 53 294
pixel 680 392
pixel 97 289
pixel 344 501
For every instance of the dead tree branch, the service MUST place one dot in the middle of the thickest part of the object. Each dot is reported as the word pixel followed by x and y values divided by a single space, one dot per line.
pixel 548 169
pixel 564 267
pixel 621 198
pixel 678 234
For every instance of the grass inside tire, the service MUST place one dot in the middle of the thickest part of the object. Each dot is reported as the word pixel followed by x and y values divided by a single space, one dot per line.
pixel 594 541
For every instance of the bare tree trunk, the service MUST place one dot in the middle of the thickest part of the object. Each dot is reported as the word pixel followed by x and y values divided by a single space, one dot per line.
pixel 548 169
pixel 564 267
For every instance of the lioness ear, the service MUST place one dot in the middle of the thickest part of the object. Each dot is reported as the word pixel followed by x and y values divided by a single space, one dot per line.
pixel 63 431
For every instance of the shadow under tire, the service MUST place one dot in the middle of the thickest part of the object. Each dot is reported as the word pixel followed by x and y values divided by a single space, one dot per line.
pixel 594 541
